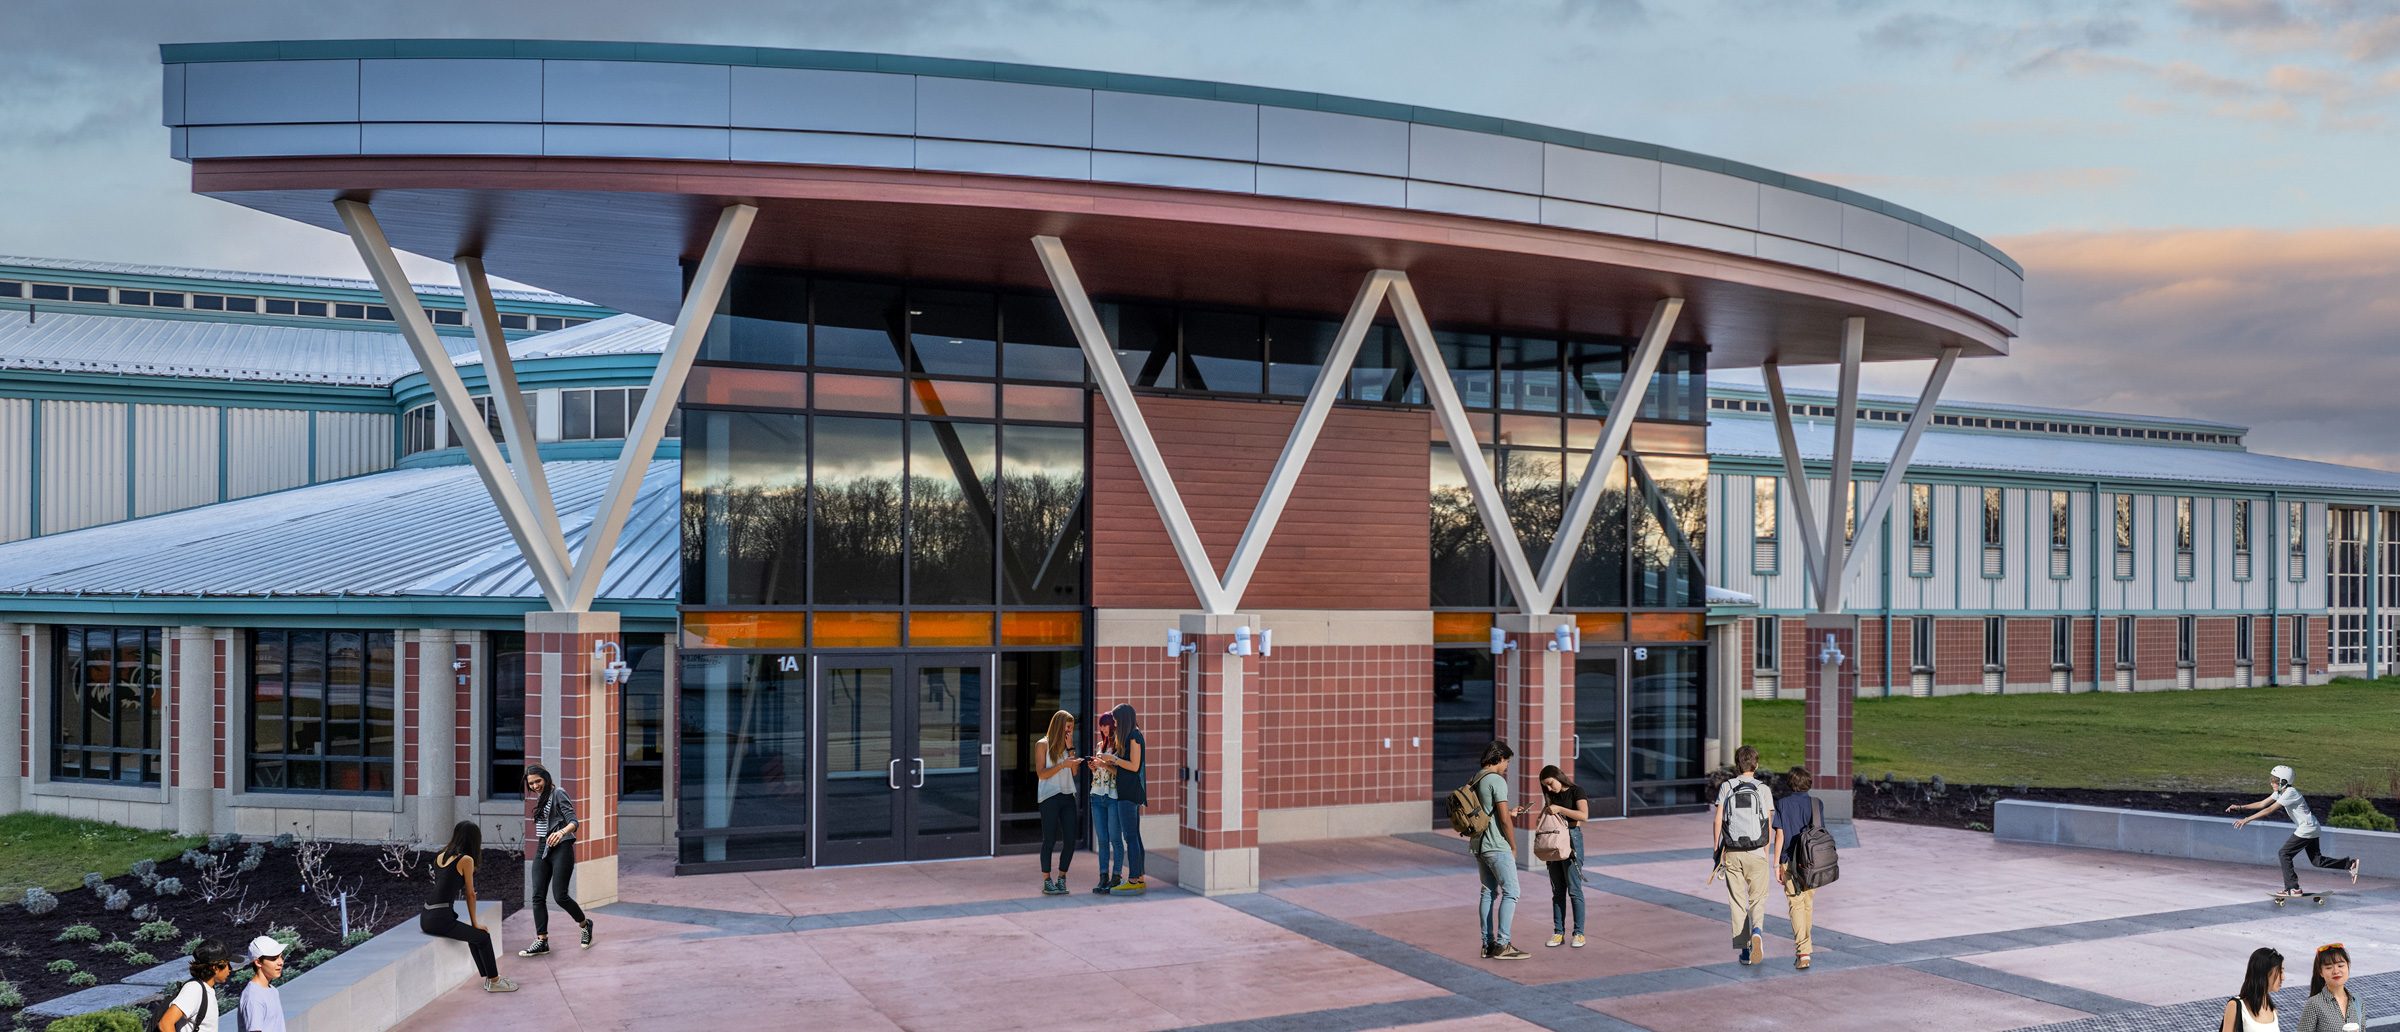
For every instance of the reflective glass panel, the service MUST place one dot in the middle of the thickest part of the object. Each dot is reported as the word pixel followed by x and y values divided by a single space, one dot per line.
pixel 1382 371
pixel 1033 685
pixel 1223 351
pixel 763 320
pixel 1464 717
pixel 1036 342
pixel 861 757
pixel 1042 515
pixel 1670 532
pixel 858 325
pixel 1597 580
pixel 954 332
pixel 1665 722
pixel 1595 371
pixel 1296 353
pixel 1529 374
pixel 1532 487
pixel 953 484
pixel 745 508
pixel 744 729
pixel 642 712
pixel 1462 551
pixel 1145 338
pixel 949 759
pixel 505 712
pixel 857 494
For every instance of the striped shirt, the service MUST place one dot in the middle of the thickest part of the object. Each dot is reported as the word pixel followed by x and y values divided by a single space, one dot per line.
pixel 558 812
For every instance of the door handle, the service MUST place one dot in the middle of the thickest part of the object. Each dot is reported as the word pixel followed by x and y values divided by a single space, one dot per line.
pixel 920 782
pixel 891 774
pixel 1578 746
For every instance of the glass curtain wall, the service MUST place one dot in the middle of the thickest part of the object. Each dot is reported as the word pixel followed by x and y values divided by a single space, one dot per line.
pixel 108 692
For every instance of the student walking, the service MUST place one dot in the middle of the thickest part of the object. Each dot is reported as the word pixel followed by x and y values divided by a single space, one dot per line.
pixel 454 874
pixel 1561 799
pixel 554 827
pixel 2283 795
pixel 194 1008
pixel 1055 795
pixel 1740 828
pixel 2331 1006
pixel 2254 1009
pixel 1496 855
pixel 1794 813
pixel 1107 839
pixel 261 1009
pixel 1132 792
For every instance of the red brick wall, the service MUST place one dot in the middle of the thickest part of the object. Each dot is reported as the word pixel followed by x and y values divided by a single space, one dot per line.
pixel 1870 655
pixel 224 678
pixel 171 741
pixel 2216 647
pixel 1958 652
pixel 463 721
pixel 2028 656
pixel 1153 684
pixel 2082 657
pixel 1326 712
pixel 408 718
pixel 2154 648
pixel 1352 537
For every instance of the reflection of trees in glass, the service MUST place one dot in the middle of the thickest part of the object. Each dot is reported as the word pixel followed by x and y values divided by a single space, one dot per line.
pixel 1042 523
pixel 951 513
pixel 1462 550
pixel 1530 486
pixel 858 540
pixel 759 529
pixel 1598 577
pixel 1671 530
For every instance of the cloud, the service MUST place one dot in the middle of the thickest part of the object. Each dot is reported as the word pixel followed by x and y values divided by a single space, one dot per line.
pixel 1976 40
pixel 2033 182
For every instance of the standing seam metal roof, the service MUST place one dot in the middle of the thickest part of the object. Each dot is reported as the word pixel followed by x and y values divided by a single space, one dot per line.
pixel 277 279
pixel 2053 457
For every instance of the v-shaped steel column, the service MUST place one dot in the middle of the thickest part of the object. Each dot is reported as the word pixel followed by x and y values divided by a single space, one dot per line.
pixel 500 377
pixel 1888 488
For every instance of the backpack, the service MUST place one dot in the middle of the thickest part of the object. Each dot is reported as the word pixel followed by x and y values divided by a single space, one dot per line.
pixel 1813 861
pixel 1746 818
pixel 1467 816
pixel 1550 841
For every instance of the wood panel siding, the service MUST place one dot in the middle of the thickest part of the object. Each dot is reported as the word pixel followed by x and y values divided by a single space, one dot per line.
pixel 1353 537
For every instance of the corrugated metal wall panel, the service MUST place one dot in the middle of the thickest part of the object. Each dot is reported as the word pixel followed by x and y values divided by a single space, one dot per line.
pixel 351 443
pixel 175 455
pixel 268 450
pixel 16 469
pixel 83 464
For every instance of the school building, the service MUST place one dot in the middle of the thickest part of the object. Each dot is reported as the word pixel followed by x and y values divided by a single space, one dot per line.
pixel 909 400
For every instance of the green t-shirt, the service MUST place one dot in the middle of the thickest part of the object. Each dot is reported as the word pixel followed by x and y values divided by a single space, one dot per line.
pixel 1492 791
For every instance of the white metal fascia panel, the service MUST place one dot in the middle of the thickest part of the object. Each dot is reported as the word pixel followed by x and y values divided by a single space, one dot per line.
pixel 175 451
pixel 82 464
pixel 16 469
pixel 266 450
pixel 351 443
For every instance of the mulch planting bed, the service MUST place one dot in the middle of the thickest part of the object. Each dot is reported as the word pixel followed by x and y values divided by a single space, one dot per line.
pixel 276 892
pixel 1970 806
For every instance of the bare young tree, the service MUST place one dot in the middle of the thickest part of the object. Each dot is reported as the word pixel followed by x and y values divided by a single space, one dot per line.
pixel 244 910
pixel 218 882
pixel 397 859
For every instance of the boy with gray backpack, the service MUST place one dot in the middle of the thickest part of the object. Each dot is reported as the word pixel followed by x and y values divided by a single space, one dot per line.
pixel 1741 828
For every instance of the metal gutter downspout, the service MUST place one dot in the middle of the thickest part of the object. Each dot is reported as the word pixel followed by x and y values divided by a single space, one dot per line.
pixel 2274 594
pixel 2097 645
pixel 2374 590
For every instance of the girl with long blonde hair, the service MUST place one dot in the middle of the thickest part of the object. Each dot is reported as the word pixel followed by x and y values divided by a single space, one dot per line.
pixel 1055 764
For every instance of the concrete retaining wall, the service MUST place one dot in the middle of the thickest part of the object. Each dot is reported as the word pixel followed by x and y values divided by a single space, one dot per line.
pixel 379 983
pixel 2191 836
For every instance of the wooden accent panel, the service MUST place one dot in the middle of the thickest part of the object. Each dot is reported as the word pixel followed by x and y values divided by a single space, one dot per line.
pixel 1353 537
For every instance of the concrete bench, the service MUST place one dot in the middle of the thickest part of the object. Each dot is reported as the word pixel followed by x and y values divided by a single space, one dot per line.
pixel 381 982
pixel 2190 836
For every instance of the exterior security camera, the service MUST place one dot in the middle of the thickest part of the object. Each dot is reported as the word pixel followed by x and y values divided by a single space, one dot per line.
pixel 1500 642
pixel 1240 645
pixel 1176 646
pixel 1563 638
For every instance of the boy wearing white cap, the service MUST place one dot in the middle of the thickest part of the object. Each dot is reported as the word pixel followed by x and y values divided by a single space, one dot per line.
pixel 2281 794
pixel 262 1006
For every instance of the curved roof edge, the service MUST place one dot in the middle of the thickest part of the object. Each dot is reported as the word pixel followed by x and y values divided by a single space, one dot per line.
pixel 1001 71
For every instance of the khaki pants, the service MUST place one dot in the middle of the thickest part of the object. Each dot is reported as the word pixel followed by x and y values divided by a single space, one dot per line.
pixel 1804 911
pixel 1747 876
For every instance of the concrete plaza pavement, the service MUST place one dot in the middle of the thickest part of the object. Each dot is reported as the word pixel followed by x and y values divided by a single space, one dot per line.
pixel 1928 928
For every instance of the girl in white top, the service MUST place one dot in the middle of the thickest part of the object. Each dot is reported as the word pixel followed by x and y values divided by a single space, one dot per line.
pixel 2254 1009
pixel 1055 764
pixel 194 1008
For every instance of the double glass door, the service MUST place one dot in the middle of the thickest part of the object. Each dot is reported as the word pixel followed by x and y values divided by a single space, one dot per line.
pixel 906 774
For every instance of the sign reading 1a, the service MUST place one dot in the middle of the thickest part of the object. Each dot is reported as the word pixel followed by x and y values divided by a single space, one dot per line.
pixel 787 664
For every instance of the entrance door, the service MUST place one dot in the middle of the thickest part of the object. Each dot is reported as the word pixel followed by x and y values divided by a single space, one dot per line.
pixel 906 773
pixel 1600 728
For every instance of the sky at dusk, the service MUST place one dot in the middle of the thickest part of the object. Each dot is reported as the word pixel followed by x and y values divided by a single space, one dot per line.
pixel 2200 190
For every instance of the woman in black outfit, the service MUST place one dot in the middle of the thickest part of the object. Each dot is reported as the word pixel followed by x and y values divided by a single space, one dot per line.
pixel 454 872
pixel 554 827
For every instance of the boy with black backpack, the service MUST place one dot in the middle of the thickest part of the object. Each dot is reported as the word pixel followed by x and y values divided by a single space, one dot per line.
pixel 1741 828
pixel 1796 814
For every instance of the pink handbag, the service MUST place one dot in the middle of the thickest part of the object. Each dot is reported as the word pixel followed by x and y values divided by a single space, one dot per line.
pixel 1550 840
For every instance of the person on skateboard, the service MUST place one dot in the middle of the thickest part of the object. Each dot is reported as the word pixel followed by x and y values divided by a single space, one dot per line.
pixel 2282 795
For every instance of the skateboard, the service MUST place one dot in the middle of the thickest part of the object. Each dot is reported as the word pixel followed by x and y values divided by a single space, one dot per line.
pixel 2317 897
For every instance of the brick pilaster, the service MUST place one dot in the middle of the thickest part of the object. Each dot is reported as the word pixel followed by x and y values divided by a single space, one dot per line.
pixel 1218 833
pixel 1536 710
pixel 571 727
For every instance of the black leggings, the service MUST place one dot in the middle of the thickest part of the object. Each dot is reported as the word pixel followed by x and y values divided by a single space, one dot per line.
pixel 554 870
pixel 445 923
pixel 1058 826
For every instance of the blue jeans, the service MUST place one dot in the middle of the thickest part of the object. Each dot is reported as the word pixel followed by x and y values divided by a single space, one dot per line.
pixel 1498 869
pixel 1129 825
pixel 1566 885
pixel 1107 839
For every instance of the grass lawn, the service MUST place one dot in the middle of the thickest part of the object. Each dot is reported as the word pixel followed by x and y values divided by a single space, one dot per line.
pixel 54 852
pixel 2338 737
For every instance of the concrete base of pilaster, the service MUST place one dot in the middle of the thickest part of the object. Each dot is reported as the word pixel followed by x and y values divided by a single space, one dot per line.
pixel 1217 872
pixel 1838 803
pixel 596 881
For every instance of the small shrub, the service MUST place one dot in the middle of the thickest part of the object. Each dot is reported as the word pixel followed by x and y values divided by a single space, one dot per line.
pixel 169 887
pixel 356 936
pixel 191 857
pixel 118 899
pixel 2359 815
pixel 79 933
pixel 285 840
pixel 146 870
pixel 192 944
pixel 10 998
pixel 144 912
pixel 62 966
pixel 103 1021
pixel 223 842
pixel 92 880
pixel 156 931
pixel 83 980
pixel 252 857
pixel 118 948
pixel 315 957
pixel 205 861
pixel 142 959
pixel 37 901
pixel 288 936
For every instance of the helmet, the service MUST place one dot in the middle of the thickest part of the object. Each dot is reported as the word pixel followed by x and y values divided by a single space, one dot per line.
pixel 2281 773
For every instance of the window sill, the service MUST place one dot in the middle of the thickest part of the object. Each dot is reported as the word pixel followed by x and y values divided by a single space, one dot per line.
pixel 303 799
pixel 154 793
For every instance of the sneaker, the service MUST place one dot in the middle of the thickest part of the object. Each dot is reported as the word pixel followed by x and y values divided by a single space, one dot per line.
pixel 1487 950
pixel 1756 952
pixel 587 935
pixel 2289 894
pixel 1130 887
pixel 540 948
pixel 1800 962
pixel 1509 951
pixel 499 985
pixel 1556 940
pixel 1578 941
